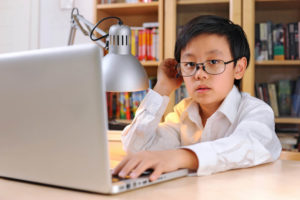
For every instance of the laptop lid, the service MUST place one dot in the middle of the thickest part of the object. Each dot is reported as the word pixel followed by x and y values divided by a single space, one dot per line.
pixel 53 118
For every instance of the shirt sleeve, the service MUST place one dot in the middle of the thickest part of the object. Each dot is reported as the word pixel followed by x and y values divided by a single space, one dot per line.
pixel 253 142
pixel 146 132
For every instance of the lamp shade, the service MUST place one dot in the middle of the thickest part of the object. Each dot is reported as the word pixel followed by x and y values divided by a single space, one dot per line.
pixel 123 73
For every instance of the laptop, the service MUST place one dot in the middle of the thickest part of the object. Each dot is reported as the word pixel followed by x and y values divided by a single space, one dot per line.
pixel 53 121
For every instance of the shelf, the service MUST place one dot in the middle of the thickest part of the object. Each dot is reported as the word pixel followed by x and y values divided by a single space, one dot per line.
pixel 202 6
pixel 277 4
pixel 287 120
pixel 129 8
pixel 278 62
pixel 197 2
pixel 150 63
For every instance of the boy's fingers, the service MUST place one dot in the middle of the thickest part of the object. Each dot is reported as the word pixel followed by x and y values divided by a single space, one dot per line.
pixel 118 168
pixel 143 166
pixel 128 167
pixel 155 174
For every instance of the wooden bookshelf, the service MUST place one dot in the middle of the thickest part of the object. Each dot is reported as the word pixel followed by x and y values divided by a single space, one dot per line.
pixel 278 63
pixel 287 120
pixel 129 8
pixel 150 63
pixel 199 2
pixel 135 14
pixel 277 11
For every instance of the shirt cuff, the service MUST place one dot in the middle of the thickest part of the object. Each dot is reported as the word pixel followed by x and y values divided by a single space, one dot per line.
pixel 154 103
pixel 207 158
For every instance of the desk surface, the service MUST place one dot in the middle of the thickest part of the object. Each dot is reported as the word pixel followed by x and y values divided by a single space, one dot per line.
pixel 278 180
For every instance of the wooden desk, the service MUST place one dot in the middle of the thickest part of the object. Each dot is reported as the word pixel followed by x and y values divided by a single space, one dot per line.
pixel 278 180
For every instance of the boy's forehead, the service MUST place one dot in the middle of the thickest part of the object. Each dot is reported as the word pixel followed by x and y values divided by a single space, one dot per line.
pixel 206 44
pixel 187 53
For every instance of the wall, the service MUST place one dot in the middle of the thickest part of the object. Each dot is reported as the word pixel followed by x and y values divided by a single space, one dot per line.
pixel 31 24
pixel 16 23
pixel 55 22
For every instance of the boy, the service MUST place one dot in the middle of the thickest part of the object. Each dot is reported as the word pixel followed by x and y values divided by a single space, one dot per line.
pixel 217 128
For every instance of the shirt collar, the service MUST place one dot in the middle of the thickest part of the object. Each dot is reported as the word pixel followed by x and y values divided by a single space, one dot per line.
pixel 230 105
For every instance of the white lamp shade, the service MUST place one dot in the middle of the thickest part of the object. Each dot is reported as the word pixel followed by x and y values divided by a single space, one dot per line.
pixel 123 73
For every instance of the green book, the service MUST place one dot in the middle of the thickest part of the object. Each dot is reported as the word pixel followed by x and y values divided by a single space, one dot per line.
pixel 284 97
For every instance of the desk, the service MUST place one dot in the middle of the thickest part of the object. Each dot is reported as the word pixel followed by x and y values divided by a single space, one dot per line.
pixel 274 181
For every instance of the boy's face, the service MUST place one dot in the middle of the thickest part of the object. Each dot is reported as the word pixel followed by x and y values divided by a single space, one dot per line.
pixel 206 89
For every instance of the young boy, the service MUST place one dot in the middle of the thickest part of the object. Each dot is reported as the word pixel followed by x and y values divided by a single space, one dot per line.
pixel 217 128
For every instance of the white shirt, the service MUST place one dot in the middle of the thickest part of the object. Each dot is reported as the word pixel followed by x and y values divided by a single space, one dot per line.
pixel 239 134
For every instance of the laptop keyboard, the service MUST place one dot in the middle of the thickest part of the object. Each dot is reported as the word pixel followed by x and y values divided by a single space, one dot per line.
pixel 116 178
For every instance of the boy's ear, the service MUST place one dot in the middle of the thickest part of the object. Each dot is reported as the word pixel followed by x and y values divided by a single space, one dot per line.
pixel 240 68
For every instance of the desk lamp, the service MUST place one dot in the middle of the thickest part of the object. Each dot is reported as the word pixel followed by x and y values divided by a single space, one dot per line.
pixel 121 70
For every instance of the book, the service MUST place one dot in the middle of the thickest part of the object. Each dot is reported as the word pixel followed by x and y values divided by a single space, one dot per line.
pixel 278 42
pixel 150 24
pixel 296 98
pixel 292 42
pixel 284 97
pixel 288 141
pixel 299 42
pixel 286 42
pixel 265 90
pixel 180 93
pixel 258 91
pixel 270 40
pixel 273 98
pixel 263 36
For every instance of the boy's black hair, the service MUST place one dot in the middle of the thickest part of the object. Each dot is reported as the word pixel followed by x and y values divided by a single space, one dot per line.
pixel 210 24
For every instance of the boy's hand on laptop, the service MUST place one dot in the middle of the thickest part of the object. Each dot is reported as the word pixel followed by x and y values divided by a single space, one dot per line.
pixel 166 77
pixel 160 161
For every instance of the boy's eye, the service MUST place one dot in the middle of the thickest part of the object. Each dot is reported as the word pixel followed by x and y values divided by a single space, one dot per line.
pixel 190 64
pixel 213 62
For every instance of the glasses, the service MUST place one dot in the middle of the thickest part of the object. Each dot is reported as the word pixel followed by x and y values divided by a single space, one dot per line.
pixel 213 67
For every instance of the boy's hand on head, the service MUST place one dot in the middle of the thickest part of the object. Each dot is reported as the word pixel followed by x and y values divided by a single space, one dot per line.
pixel 160 161
pixel 166 77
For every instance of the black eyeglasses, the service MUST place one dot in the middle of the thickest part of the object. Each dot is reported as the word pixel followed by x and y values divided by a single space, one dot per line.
pixel 213 67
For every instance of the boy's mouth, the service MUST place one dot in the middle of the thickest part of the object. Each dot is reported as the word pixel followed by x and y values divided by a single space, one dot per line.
pixel 202 88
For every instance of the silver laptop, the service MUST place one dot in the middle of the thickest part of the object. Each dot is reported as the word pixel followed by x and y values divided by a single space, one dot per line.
pixel 53 121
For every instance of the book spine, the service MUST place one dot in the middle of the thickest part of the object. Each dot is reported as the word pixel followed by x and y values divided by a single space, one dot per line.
pixel 266 95
pixel 284 97
pixel 264 41
pixel 127 105
pixel 148 44
pixel 270 40
pixel 122 106
pixel 278 42
pixel 140 45
pixel 286 42
pixel 292 40
pixel 273 98
pixel 144 44
pixel 258 91
pixel 299 41
pixel 257 42
pixel 133 47
pixel 296 34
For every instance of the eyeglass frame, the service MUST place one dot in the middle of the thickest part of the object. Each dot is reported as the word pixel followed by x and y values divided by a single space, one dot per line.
pixel 203 66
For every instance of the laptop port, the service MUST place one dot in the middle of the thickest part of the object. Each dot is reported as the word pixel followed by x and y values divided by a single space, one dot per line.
pixel 128 185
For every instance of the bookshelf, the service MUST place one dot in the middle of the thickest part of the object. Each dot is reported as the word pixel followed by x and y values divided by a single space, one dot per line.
pixel 135 14
pixel 278 11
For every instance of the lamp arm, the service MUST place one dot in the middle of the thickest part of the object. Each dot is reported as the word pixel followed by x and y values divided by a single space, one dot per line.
pixel 76 23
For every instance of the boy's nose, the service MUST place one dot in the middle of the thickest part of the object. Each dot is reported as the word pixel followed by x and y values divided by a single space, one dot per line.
pixel 201 73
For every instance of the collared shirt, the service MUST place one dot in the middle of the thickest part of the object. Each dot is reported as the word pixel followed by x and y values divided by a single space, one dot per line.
pixel 239 134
